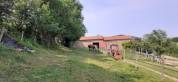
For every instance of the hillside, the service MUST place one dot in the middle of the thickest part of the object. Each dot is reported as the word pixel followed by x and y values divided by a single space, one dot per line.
pixel 67 65
pixel 37 36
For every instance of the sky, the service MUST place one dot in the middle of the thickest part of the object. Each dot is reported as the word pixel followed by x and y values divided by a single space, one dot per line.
pixel 130 17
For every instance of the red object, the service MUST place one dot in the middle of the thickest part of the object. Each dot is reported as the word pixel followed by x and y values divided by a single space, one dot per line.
pixel 117 37
pixel 103 40
pixel 115 52
pixel 117 55
pixel 91 38
pixel 110 38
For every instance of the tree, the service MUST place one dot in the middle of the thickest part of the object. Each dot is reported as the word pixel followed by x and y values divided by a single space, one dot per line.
pixel 175 39
pixel 159 41
pixel 156 42
pixel 68 14
pixel 6 8
pixel 171 48
pixel 47 22
pixel 25 12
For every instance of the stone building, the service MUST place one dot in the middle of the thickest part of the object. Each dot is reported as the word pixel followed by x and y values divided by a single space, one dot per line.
pixel 103 42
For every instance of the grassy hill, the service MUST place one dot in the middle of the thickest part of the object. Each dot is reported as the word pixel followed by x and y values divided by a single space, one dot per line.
pixel 67 65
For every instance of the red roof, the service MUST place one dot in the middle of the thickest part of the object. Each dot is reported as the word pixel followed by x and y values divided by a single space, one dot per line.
pixel 109 38
pixel 117 37
pixel 92 38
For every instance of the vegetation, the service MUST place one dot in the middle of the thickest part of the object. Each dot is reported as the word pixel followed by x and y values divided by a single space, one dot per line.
pixel 40 23
pixel 175 39
pixel 147 62
pixel 48 22
pixel 68 65
pixel 156 42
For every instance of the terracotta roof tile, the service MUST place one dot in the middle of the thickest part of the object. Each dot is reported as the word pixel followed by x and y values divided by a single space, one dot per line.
pixel 117 37
pixel 92 38
pixel 109 38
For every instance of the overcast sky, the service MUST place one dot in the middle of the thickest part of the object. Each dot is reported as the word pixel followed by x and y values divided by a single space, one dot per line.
pixel 130 17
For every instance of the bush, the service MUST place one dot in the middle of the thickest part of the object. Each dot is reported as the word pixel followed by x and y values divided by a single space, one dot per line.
pixel 28 43
pixel 3 47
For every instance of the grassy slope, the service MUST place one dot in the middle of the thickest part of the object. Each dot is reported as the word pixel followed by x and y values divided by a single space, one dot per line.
pixel 67 66
pixel 169 70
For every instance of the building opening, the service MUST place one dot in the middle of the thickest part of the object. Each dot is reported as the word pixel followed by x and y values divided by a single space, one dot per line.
pixel 97 44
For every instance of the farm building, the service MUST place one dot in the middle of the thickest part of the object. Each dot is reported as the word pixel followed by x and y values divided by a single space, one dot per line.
pixel 103 42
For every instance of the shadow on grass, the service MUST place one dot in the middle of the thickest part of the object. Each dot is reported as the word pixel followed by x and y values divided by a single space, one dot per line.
pixel 68 67
pixel 75 71
pixel 108 76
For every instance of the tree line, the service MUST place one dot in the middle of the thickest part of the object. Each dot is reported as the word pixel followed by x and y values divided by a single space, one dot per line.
pixel 156 42
pixel 48 22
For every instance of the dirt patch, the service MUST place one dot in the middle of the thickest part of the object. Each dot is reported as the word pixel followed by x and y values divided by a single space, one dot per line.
pixel 172 61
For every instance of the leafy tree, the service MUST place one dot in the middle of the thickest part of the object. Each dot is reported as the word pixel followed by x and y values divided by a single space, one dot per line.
pixel 171 48
pixel 47 22
pixel 159 41
pixel 68 14
pixel 24 16
pixel 175 39
pixel 6 8
pixel 156 42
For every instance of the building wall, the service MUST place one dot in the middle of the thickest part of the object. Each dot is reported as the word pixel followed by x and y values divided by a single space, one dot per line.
pixel 102 44
pixel 81 44
pixel 118 42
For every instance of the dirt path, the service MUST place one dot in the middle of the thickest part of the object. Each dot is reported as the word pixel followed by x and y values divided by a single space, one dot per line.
pixel 167 76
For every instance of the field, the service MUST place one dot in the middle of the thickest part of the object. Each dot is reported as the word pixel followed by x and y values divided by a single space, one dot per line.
pixel 68 65
pixel 168 70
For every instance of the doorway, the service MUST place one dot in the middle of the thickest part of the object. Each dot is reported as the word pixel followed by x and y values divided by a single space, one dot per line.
pixel 97 44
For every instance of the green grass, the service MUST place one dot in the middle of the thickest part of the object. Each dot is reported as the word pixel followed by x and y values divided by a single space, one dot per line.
pixel 171 71
pixel 167 70
pixel 67 65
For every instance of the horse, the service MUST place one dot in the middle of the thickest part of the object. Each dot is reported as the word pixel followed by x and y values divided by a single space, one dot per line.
pixel 92 47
